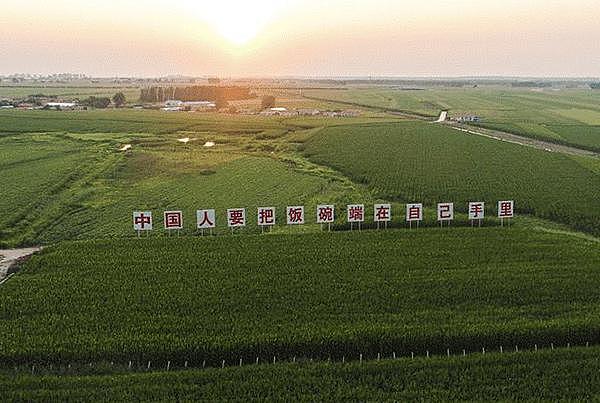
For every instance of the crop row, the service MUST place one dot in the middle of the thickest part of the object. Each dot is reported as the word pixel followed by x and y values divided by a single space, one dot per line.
pixel 315 295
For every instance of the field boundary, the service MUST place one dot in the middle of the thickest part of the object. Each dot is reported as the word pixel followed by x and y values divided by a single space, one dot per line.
pixel 41 368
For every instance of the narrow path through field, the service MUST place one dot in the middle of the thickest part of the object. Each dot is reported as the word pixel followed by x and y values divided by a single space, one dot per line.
pixel 524 141
pixel 11 256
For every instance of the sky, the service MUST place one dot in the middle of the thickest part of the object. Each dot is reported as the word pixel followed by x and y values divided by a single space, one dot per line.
pixel 334 38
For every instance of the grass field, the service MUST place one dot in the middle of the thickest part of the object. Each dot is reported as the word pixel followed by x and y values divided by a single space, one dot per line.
pixel 313 295
pixel 569 117
pixel 68 186
pixel 63 170
pixel 520 376
pixel 420 162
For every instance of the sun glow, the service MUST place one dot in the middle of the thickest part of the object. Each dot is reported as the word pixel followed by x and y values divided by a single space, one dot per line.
pixel 238 21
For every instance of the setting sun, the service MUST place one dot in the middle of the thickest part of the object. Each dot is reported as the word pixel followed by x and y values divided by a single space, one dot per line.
pixel 239 22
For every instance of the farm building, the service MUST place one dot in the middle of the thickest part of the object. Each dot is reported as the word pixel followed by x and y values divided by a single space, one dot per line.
pixel 173 105
pixel 63 106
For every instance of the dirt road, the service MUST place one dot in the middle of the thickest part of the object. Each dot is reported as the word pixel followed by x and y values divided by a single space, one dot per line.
pixel 11 256
pixel 524 141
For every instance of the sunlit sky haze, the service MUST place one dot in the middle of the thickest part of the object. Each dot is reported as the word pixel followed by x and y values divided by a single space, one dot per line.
pixel 557 38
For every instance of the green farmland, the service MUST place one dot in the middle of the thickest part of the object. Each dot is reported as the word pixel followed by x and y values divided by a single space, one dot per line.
pixel 58 182
pixel 510 376
pixel 416 161
pixel 569 117
pixel 320 295
pixel 96 295
pixel 132 94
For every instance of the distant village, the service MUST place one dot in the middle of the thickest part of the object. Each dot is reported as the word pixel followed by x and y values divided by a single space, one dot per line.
pixel 267 106
pixel 41 102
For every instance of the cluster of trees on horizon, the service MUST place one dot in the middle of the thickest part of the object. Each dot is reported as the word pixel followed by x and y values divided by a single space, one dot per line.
pixel 196 93
pixel 104 102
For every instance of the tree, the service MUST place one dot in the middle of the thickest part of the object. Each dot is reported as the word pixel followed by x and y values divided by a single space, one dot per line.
pixel 119 99
pixel 268 101
pixel 595 86
pixel 97 102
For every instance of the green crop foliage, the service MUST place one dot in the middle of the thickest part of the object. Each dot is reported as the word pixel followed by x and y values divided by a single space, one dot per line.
pixel 420 162
pixel 539 376
pixel 311 295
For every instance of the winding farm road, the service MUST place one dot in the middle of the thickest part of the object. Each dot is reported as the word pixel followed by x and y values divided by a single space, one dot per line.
pixel 11 256
pixel 524 141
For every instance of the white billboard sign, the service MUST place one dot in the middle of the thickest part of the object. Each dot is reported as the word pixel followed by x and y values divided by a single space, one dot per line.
pixel 445 211
pixel 142 220
pixel 325 214
pixel 414 212
pixel 476 210
pixel 356 213
pixel 295 215
pixel 206 219
pixel 173 220
pixel 236 217
pixel 506 209
pixel 382 213
pixel 266 216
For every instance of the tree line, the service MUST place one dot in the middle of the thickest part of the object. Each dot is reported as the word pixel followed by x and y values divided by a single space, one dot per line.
pixel 104 102
pixel 195 93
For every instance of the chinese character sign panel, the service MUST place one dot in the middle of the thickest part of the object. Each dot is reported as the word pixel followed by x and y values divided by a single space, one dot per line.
pixel 325 214
pixel 142 220
pixel 236 217
pixel 173 220
pixel 382 212
pixel 356 213
pixel 206 219
pixel 505 209
pixel 266 216
pixel 414 212
pixel 445 211
pixel 476 210
pixel 295 215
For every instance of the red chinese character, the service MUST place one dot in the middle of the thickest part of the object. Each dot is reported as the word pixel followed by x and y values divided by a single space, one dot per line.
pixel 296 215
pixel 205 222
pixel 444 211
pixel 173 219
pixel 356 213
pixel 414 213
pixel 142 220
pixel 236 217
pixel 325 214
pixel 476 210
pixel 382 213
pixel 506 209
pixel 266 216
